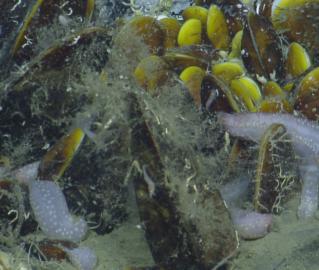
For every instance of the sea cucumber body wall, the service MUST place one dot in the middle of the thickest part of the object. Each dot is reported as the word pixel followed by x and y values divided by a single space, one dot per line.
pixel 52 214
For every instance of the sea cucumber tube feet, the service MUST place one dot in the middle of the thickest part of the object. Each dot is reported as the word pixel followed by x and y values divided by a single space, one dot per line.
pixel 51 212
pixel 251 225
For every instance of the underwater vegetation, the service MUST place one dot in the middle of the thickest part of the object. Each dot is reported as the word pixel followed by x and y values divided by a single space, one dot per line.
pixel 201 115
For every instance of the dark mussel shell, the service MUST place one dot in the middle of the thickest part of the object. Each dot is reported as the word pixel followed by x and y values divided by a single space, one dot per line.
pixel 216 96
pixel 298 20
pixel 261 48
pixel 43 13
pixel 177 239
pixel 307 95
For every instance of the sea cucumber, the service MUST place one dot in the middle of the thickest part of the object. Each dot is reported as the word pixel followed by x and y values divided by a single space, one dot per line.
pixel 305 139
pixel 304 133
pixel 52 213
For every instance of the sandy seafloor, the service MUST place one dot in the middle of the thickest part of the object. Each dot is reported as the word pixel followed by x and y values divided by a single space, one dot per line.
pixel 292 244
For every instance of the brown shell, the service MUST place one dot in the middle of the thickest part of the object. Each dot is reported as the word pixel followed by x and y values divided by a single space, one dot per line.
pixel 164 232
pixel 145 29
pixel 300 24
pixel 215 96
pixel 264 8
pixel 261 50
pixel 177 240
pixel 54 249
pixel 307 100
pixel 57 57
pixel 235 12
pixel 41 14
pixel 194 55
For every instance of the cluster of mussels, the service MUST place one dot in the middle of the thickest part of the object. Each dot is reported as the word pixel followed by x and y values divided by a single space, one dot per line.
pixel 234 58
pixel 230 56
pixel 260 58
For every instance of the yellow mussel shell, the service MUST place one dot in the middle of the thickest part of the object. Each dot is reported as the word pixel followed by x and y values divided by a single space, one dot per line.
pixel 236 45
pixel 310 83
pixel 190 33
pixel 248 91
pixel 273 89
pixel 217 30
pixel 196 12
pixel 192 77
pixel 298 60
pixel 228 71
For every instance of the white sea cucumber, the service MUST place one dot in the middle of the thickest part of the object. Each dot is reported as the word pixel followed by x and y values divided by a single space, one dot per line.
pixel 304 133
pixel 51 212
pixel 305 138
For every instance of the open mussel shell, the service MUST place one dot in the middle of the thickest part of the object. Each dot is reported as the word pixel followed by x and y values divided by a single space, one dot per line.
pixel 261 48
pixel 216 96
pixel 275 174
